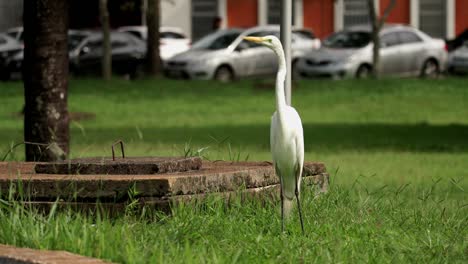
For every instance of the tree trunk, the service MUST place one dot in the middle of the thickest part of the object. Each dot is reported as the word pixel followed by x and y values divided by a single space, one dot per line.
pixel 376 24
pixel 375 70
pixel 46 120
pixel 106 49
pixel 144 7
pixel 153 58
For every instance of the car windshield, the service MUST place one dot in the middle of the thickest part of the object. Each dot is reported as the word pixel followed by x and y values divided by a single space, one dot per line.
pixel 217 40
pixel 346 39
pixel 74 40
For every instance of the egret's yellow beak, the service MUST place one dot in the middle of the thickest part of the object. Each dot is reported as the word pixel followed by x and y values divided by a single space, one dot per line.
pixel 254 39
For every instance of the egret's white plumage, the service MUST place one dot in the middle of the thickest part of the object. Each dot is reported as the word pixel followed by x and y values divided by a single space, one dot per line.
pixel 286 136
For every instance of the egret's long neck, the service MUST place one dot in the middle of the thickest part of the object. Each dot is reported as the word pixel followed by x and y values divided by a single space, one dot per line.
pixel 280 78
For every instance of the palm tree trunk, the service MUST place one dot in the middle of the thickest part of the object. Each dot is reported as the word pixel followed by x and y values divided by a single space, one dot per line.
pixel 45 73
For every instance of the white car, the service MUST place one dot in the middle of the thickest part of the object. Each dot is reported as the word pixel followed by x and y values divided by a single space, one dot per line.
pixel 405 51
pixel 16 33
pixel 172 39
pixel 224 55
pixel 458 59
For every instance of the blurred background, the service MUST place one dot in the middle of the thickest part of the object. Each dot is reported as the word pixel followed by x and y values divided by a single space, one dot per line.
pixel 184 23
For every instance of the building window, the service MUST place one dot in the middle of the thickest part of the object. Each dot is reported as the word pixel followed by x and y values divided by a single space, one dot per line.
pixel 432 17
pixel 355 13
pixel 274 12
pixel 204 17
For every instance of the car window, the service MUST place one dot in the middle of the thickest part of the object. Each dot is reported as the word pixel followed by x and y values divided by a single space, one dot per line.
pixel 216 41
pixel 409 37
pixel 12 34
pixel 348 39
pixel 93 46
pixel 305 33
pixel 171 35
pixel 118 43
pixel 2 40
pixel 251 44
pixel 389 39
pixel 135 33
pixel 74 41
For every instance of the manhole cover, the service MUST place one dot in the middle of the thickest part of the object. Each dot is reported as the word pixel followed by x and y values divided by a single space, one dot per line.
pixel 150 165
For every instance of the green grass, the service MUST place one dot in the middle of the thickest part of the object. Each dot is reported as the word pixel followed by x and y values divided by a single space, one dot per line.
pixel 396 149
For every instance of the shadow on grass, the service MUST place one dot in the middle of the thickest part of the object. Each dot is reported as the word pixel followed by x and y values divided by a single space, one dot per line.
pixel 318 136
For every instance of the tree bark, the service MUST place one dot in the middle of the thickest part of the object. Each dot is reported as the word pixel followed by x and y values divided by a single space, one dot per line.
pixel 106 46
pixel 153 57
pixel 377 24
pixel 46 120
pixel 375 70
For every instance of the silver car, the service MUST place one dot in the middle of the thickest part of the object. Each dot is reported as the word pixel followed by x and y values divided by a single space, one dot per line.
pixel 224 55
pixel 458 59
pixel 405 51
pixel 9 47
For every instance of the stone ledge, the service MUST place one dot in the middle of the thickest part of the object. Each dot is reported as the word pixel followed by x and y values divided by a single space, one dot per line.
pixel 271 192
pixel 15 255
pixel 158 190
pixel 214 177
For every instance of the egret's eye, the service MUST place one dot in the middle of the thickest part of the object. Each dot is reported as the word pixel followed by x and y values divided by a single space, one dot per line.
pixel 270 40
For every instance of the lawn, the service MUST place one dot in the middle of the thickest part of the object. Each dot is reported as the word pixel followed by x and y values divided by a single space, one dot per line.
pixel 397 152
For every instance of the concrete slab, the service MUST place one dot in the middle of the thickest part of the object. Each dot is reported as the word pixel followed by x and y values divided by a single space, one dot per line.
pixel 141 165
pixel 15 255
pixel 157 189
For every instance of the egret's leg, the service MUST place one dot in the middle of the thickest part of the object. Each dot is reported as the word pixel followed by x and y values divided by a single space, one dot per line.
pixel 299 205
pixel 278 173
pixel 282 205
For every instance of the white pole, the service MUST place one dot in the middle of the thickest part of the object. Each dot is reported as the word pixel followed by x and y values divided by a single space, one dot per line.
pixel 222 13
pixel 450 19
pixel 262 18
pixel 338 17
pixel 414 13
pixel 298 13
pixel 285 35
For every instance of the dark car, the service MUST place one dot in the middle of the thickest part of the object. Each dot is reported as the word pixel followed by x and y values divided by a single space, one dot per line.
pixel 458 41
pixel 128 53
pixel 85 54
pixel 8 47
pixel 14 62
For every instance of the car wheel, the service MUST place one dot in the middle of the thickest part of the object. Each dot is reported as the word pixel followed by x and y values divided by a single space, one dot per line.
pixel 363 72
pixel 430 69
pixel 224 74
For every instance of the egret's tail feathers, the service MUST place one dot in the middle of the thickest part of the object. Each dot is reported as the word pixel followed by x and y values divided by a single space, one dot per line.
pixel 287 206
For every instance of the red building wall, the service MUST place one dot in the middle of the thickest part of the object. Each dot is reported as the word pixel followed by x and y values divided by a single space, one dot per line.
pixel 400 13
pixel 461 16
pixel 242 13
pixel 318 16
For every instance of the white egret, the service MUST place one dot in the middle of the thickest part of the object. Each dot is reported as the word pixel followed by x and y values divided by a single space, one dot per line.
pixel 286 136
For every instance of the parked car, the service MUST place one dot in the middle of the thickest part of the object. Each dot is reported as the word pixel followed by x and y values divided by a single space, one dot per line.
pixel 128 54
pixel 224 55
pixel 85 54
pixel 308 34
pixel 458 41
pixel 16 33
pixel 14 63
pixel 405 51
pixel 458 59
pixel 172 39
pixel 8 47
